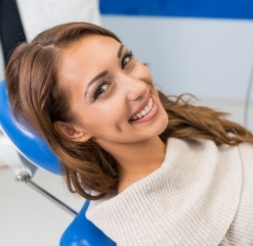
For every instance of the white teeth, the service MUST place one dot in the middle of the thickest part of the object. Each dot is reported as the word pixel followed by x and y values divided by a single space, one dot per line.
pixel 144 111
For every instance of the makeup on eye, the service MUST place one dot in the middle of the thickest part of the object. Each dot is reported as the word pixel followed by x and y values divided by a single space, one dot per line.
pixel 97 77
pixel 128 56
pixel 102 87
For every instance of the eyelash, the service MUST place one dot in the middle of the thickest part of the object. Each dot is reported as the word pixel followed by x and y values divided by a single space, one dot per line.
pixel 129 55
pixel 99 91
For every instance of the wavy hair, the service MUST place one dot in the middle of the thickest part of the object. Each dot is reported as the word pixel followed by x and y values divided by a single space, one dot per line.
pixel 34 94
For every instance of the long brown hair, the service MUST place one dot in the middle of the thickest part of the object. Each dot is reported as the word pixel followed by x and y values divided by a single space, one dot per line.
pixel 34 93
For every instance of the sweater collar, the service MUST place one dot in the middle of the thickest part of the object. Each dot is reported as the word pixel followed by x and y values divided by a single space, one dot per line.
pixel 192 197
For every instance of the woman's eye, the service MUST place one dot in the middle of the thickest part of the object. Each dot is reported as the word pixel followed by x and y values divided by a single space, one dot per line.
pixel 126 59
pixel 100 90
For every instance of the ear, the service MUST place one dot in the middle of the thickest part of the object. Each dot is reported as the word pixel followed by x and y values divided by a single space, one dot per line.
pixel 72 131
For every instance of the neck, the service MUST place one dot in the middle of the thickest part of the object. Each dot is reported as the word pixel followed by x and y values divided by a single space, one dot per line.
pixel 138 160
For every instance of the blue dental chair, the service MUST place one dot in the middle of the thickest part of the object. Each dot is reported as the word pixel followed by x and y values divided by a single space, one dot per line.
pixel 35 150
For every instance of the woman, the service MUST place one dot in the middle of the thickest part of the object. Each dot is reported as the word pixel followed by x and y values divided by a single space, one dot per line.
pixel 159 170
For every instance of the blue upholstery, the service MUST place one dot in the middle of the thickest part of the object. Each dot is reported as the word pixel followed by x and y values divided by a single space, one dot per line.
pixel 29 144
pixel 80 232
pixel 83 233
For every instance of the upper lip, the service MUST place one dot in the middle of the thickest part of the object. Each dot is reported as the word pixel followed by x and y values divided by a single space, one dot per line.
pixel 141 106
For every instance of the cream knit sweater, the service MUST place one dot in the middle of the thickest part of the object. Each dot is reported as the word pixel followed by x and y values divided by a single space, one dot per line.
pixel 202 195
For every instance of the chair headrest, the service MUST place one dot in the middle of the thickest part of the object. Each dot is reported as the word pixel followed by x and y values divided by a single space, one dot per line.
pixel 28 142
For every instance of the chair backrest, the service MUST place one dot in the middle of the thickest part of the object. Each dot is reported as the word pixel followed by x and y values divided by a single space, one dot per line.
pixel 80 232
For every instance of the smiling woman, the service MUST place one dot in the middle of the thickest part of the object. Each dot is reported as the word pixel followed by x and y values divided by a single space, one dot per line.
pixel 160 170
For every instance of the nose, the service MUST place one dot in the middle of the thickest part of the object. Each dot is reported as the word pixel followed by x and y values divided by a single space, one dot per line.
pixel 132 88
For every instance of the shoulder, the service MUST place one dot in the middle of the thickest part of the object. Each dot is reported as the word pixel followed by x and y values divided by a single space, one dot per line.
pixel 209 150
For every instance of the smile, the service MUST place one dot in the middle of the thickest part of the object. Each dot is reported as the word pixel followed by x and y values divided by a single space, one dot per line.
pixel 144 111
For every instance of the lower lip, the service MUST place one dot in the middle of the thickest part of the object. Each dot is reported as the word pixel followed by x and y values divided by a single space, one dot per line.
pixel 148 116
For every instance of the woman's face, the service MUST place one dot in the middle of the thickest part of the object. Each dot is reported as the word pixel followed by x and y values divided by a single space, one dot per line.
pixel 111 94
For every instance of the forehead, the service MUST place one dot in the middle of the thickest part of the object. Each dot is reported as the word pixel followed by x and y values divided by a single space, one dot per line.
pixel 92 44
pixel 86 51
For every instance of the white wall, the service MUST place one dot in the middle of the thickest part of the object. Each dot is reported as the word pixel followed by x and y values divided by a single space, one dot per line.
pixel 209 58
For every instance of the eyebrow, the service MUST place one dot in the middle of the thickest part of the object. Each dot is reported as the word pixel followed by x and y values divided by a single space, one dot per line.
pixel 100 75
pixel 120 50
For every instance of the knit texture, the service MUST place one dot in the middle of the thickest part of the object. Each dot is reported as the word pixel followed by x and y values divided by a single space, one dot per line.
pixel 201 195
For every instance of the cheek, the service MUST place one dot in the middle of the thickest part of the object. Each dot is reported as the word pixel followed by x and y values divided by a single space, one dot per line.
pixel 165 120
pixel 105 114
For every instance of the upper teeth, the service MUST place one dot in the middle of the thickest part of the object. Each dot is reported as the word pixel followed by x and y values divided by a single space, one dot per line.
pixel 144 111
